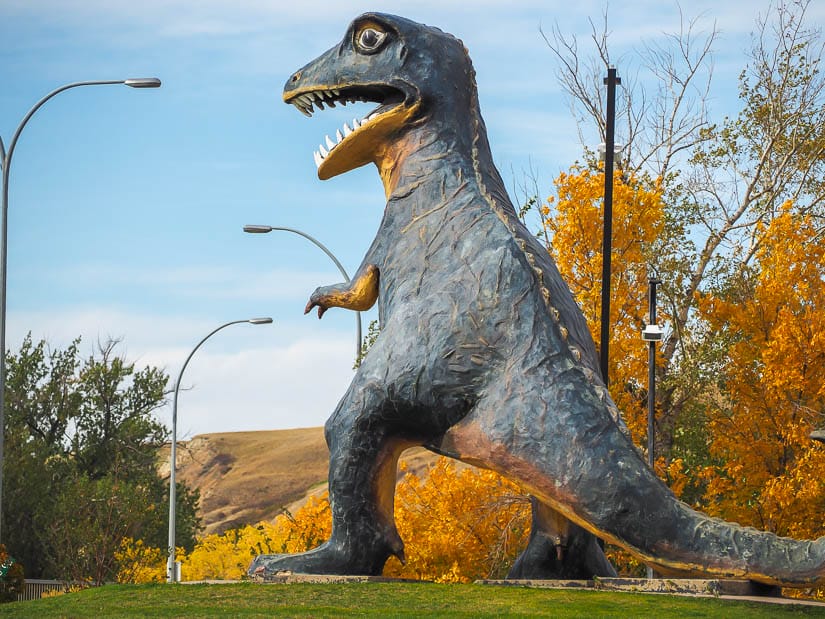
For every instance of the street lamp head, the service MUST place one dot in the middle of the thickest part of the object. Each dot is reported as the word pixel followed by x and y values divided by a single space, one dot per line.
pixel 252 229
pixel 260 321
pixel 143 82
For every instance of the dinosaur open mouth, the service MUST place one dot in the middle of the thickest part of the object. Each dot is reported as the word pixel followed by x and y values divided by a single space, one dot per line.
pixel 351 137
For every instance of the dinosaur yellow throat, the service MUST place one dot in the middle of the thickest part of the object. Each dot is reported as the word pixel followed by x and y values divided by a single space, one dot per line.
pixel 373 142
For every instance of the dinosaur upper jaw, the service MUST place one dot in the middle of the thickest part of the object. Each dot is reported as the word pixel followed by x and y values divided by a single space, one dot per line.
pixel 363 140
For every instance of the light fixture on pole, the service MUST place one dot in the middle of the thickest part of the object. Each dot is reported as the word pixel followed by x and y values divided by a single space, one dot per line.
pixel 172 571
pixel 257 229
pixel 617 153
pixel 5 162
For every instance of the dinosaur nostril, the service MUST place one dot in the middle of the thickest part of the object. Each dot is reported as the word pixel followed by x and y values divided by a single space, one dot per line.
pixel 296 77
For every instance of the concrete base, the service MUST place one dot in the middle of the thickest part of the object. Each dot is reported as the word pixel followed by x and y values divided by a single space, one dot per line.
pixel 290 578
pixel 744 590
pixel 683 586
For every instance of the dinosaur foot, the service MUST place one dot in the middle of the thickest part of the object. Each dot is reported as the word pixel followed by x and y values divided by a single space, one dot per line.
pixel 329 558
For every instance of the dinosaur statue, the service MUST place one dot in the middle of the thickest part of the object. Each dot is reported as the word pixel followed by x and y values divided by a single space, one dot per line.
pixel 483 354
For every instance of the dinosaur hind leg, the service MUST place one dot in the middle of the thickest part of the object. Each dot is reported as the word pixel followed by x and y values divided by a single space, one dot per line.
pixel 364 451
pixel 557 439
pixel 559 548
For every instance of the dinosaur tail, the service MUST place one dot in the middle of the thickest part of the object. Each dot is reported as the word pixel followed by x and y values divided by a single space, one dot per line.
pixel 569 452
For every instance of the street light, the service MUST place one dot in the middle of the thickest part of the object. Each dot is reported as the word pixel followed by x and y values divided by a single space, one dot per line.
pixel 651 334
pixel 253 229
pixel 5 162
pixel 171 571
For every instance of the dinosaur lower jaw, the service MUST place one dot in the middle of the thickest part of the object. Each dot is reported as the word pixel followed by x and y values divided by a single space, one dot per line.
pixel 366 142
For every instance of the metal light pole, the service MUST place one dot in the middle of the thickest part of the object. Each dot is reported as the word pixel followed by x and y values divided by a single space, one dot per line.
pixel 171 572
pixel 5 161
pixel 652 333
pixel 253 229
pixel 611 81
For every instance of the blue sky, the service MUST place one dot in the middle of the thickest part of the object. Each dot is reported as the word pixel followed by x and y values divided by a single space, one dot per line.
pixel 126 206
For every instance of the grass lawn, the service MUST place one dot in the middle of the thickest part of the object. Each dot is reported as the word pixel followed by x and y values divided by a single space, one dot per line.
pixel 381 600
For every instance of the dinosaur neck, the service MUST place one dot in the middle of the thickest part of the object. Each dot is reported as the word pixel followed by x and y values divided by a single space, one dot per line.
pixel 406 157
pixel 440 146
pixel 453 130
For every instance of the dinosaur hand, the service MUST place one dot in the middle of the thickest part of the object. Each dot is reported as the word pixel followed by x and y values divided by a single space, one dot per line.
pixel 359 295
pixel 317 300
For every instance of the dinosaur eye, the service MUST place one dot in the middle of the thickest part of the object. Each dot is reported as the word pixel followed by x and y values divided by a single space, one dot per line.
pixel 370 39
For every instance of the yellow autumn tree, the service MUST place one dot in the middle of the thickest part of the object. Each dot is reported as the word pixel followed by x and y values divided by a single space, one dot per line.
pixel 459 524
pixel 769 474
pixel 139 563
pixel 574 221
pixel 227 555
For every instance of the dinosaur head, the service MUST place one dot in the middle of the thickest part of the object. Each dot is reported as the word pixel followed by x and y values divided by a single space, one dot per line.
pixel 406 68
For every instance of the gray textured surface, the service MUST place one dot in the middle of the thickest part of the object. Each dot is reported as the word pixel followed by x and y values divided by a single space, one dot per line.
pixel 483 354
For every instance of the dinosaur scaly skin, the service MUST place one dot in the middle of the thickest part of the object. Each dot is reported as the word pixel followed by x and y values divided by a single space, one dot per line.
pixel 483 354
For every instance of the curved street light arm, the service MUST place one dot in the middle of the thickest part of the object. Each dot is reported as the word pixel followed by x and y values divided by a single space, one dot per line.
pixel 320 246
pixel 40 103
pixel 5 163
pixel 171 575
pixel 254 229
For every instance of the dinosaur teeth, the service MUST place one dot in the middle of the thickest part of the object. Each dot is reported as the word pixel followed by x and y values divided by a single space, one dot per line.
pixel 302 109
pixel 305 102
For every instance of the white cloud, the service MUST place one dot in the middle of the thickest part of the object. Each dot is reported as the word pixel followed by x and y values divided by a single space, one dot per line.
pixel 202 282
pixel 247 377
pixel 293 386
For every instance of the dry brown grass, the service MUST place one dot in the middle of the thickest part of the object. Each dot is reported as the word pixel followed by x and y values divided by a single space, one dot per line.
pixel 246 477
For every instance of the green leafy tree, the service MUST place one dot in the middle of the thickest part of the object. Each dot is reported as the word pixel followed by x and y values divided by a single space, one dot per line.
pixel 81 454
pixel 115 415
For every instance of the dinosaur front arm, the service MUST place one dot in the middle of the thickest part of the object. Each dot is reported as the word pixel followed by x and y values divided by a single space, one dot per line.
pixel 358 294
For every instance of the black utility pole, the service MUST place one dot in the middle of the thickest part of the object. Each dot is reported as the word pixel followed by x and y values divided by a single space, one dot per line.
pixel 607 244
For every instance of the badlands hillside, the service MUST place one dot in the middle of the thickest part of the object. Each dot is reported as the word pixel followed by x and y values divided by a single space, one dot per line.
pixel 246 477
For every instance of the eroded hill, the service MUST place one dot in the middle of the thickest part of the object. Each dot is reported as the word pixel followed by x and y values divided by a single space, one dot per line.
pixel 246 477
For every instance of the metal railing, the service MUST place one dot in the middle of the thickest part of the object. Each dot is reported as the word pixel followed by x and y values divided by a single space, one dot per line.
pixel 34 589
